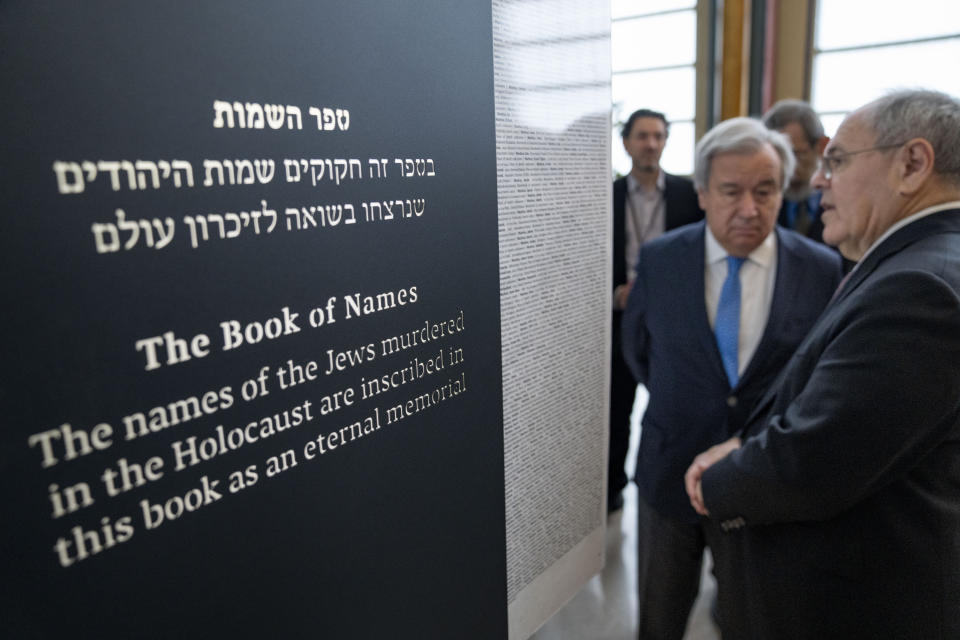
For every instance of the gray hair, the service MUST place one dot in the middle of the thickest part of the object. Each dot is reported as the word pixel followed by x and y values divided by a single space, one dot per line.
pixel 918 113
pixel 786 111
pixel 742 136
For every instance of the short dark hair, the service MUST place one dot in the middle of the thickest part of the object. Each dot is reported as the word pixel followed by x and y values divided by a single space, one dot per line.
pixel 643 113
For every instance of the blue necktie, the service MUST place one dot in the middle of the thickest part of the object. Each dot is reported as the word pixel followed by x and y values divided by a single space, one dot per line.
pixel 727 324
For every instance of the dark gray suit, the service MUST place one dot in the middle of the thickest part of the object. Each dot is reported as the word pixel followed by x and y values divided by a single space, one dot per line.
pixel 846 497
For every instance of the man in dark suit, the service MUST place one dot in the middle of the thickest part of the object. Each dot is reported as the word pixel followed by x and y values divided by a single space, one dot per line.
pixel 845 493
pixel 716 310
pixel 646 202
pixel 801 209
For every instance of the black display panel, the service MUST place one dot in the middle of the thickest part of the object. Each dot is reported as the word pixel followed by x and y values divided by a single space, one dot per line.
pixel 251 356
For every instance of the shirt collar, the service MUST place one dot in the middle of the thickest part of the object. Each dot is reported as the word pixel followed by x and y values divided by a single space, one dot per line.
pixel 634 187
pixel 909 219
pixel 763 255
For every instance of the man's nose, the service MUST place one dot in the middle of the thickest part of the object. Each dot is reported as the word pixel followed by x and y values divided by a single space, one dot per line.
pixel 819 178
pixel 748 206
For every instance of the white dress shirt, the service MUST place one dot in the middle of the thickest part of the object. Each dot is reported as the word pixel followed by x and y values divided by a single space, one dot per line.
pixel 757 277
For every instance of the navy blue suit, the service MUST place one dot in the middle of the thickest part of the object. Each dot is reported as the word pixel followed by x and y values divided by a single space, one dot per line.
pixel 670 347
pixel 681 208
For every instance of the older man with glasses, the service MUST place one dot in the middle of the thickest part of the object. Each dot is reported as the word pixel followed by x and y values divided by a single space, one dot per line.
pixel 843 492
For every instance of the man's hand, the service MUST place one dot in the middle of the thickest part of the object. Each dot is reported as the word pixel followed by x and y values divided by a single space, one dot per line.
pixel 700 464
pixel 620 294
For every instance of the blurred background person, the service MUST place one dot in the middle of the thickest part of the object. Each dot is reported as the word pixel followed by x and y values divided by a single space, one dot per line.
pixel 646 202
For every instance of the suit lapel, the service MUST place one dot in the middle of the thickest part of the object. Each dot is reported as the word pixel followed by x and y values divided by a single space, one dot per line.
pixel 941 222
pixel 692 272
pixel 670 207
pixel 787 275
pixel 619 233
pixel 789 270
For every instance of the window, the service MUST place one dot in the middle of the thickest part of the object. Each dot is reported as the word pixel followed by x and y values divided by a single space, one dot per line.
pixel 863 48
pixel 654 55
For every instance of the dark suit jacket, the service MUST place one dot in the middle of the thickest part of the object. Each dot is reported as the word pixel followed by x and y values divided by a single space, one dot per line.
pixel 670 347
pixel 815 230
pixel 850 485
pixel 682 208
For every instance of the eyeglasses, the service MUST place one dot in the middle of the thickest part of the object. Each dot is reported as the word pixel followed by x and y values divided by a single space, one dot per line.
pixel 833 161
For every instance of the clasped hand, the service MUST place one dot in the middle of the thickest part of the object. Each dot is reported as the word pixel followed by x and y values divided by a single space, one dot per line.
pixel 700 464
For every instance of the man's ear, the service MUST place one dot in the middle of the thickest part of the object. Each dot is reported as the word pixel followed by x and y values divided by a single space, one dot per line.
pixel 915 165
pixel 700 199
